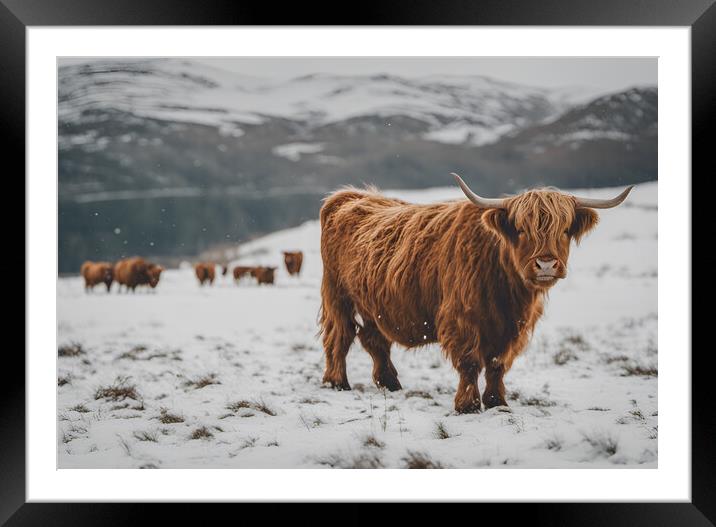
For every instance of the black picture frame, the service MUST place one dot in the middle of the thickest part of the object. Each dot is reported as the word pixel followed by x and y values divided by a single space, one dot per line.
pixel 699 15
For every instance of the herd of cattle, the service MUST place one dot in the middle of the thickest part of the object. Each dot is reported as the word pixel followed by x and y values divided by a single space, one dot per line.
pixel 136 271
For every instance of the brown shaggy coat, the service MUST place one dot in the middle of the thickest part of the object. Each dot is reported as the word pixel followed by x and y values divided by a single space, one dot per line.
pixel 97 273
pixel 241 270
pixel 136 271
pixel 205 272
pixel 155 272
pixel 263 275
pixel 451 273
pixel 293 261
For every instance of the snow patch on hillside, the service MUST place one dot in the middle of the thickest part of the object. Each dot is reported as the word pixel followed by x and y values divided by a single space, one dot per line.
pixel 294 151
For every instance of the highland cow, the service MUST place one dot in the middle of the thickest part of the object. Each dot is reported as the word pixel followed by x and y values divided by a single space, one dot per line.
pixel 471 275
pixel 205 272
pixel 155 272
pixel 241 271
pixel 263 275
pixel 97 273
pixel 135 271
pixel 293 261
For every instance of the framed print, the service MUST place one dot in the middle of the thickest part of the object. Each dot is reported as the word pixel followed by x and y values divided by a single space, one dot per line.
pixel 319 255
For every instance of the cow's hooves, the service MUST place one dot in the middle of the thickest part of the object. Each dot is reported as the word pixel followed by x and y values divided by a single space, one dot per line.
pixel 392 384
pixel 471 408
pixel 492 401
pixel 337 385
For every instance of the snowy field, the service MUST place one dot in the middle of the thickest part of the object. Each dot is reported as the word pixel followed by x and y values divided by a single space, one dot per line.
pixel 229 376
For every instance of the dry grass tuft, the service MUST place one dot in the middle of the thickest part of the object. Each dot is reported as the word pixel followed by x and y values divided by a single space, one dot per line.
pixel 310 400
pixel 167 418
pixel 441 432
pixel 201 433
pixel 73 349
pixel 61 381
pixel 258 405
pixel 418 393
pixel 603 444
pixel 248 443
pixel 541 402
pixel 554 443
pixel 569 348
pixel 563 356
pixel 372 441
pixel 635 369
pixel 118 391
pixel 420 460
pixel 81 408
pixel 364 460
pixel 145 436
pixel 202 382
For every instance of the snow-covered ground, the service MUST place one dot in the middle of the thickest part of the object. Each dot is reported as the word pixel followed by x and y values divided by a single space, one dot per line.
pixel 230 375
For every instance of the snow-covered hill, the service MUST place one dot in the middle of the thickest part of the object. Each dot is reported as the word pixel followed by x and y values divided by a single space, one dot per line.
pixel 229 375
pixel 181 90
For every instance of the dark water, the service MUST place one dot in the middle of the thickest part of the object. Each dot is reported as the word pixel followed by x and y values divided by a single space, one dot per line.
pixel 168 227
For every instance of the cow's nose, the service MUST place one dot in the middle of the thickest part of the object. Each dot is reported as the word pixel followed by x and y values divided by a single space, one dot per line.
pixel 546 265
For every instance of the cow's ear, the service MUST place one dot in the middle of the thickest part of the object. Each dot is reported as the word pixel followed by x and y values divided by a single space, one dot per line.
pixel 584 221
pixel 498 222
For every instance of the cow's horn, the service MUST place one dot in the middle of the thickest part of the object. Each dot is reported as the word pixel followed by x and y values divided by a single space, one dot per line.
pixel 485 203
pixel 592 203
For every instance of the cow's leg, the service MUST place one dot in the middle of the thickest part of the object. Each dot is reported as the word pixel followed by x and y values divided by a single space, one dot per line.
pixel 384 373
pixel 463 352
pixel 339 330
pixel 467 398
pixel 494 394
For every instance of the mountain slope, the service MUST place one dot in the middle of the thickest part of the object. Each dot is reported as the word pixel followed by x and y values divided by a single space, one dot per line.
pixel 611 140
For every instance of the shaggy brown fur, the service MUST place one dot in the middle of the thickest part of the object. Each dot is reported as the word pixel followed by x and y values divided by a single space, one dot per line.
pixel 452 273
pixel 155 272
pixel 293 261
pixel 241 270
pixel 135 271
pixel 205 272
pixel 97 273
pixel 263 275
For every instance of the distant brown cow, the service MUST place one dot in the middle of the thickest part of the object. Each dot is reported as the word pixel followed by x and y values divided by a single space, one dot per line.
pixel 155 271
pixel 97 273
pixel 470 274
pixel 205 272
pixel 264 275
pixel 135 271
pixel 241 270
pixel 293 261
pixel 224 269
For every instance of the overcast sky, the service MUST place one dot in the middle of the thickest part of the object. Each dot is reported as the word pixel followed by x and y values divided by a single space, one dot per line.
pixel 608 73
pixel 605 73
